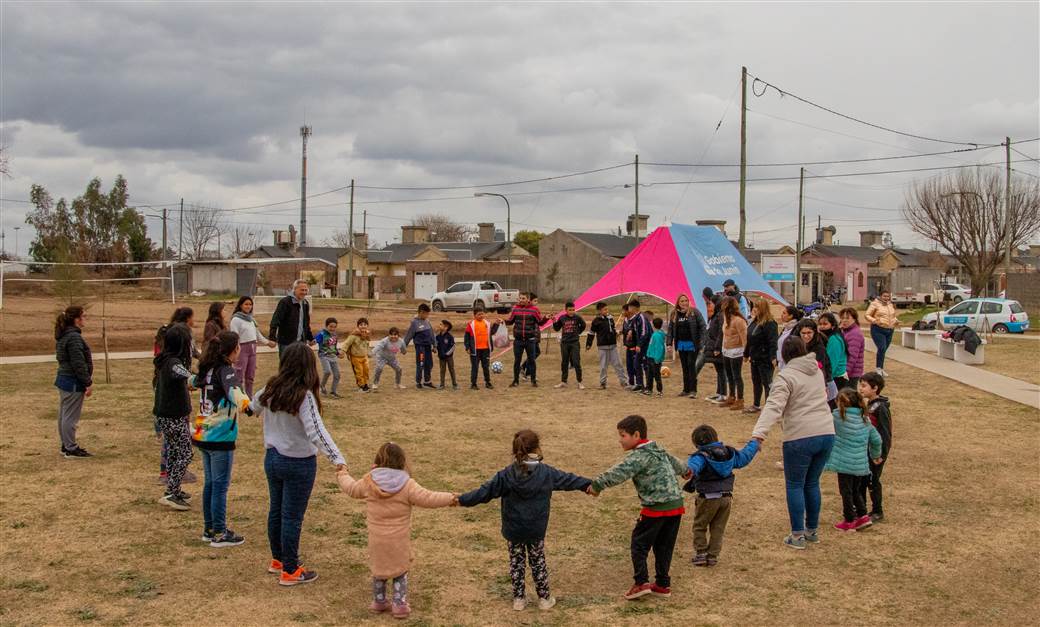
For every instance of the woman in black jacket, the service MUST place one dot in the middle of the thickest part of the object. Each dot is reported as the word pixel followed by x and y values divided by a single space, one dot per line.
pixel 713 348
pixel 761 351
pixel 686 329
pixel 75 380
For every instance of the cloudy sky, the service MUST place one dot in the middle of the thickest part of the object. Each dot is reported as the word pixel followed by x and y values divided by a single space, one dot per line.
pixel 203 101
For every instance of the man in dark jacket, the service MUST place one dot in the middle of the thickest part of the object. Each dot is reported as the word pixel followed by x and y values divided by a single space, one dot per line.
pixel 526 321
pixel 291 321
pixel 571 326
pixel 603 331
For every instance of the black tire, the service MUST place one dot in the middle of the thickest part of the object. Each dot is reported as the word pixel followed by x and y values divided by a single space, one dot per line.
pixel 502 310
pixel 957 299
pixel 478 303
pixel 437 305
pixel 1000 327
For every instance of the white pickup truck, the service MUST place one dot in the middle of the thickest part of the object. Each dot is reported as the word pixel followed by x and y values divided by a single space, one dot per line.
pixel 466 295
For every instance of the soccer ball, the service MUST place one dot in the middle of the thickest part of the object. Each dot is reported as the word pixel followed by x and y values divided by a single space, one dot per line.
pixel 665 372
pixel 496 367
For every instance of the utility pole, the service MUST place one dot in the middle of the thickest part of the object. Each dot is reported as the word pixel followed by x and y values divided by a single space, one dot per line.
pixel 164 234
pixel 637 199
pixel 798 250
pixel 743 156
pixel 305 132
pixel 1007 216
pixel 180 237
pixel 364 224
pixel 350 258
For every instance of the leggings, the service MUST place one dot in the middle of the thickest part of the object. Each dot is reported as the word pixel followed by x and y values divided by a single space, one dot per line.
pixel 734 382
pixel 398 592
pixel 535 554
pixel 882 340
pixel 761 377
pixel 688 361
pixel 179 453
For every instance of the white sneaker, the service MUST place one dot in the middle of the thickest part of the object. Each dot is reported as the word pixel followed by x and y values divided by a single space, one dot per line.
pixel 560 385
pixel 520 604
pixel 400 387
pixel 581 386
pixel 883 373
pixel 375 386
pixel 546 604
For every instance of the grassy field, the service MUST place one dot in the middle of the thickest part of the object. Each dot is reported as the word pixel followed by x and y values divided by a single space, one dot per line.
pixel 85 542
pixel 1014 357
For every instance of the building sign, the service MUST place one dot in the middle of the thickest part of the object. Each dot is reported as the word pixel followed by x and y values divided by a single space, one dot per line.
pixel 778 268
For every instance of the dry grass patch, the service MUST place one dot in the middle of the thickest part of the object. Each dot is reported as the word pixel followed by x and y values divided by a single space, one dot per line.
pixel 1016 358
pixel 85 541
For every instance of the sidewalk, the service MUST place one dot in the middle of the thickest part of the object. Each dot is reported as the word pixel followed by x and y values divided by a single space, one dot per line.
pixel 98 357
pixel 1006 387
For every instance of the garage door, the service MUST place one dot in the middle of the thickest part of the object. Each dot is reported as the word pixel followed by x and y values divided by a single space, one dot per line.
pixel 425 285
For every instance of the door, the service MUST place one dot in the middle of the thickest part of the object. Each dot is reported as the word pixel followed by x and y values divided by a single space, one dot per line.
pixel 425 285
pixel 965 313
pixel 245 281
pixel 850 284
pixel 989 315
pixel 457 295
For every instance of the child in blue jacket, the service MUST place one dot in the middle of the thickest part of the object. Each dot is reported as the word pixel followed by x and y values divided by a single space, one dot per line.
pixel 712 466
pixel 446 353
pixel 654 359
pixel 854 438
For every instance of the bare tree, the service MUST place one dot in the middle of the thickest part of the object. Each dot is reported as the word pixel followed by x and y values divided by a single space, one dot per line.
pixel 443 229
pixel 203 227
pixel 339 239
pixel 243 239
pixel 964 214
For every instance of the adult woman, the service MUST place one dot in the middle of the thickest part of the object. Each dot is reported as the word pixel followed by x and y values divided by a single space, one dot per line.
pixel 815 344
pixel 734 339
pixel 75 377
pixel 797 400
pixel 294 434
pixel 760 351
pixel 249 335
pixel 881 314
pixel 686 329
pixel 214 322
pixel 849 323
pixel 837 351
pixel 789 317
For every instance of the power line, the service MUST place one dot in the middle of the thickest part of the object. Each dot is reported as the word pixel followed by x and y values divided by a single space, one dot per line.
pixel 1024 154
pixel 842 204
pixel 832 162
pixel 849 117
pixel 538 180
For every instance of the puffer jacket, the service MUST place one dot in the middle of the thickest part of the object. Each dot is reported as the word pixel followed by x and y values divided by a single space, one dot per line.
pixel 854 343
pixel 75 364
pixel 713 339
pixel 854 439
pixel 882 315
pixel 761 342
pixel 653 472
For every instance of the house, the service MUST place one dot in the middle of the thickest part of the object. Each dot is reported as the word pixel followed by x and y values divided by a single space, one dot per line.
pixel 847 267
pixel 416 268
pixel 569 262
pixel 315 263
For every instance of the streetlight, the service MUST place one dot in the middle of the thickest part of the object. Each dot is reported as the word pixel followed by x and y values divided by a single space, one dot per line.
pixel 509 229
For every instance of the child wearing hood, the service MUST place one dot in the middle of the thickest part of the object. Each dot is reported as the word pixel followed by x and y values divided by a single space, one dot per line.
pixel 712 466
pixel 525 487
pixel 390 493
pixel 171 410
pixel 854 439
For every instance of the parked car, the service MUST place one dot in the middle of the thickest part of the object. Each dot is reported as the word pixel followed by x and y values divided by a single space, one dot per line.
pixel 955 291
pixel 983 314
pixel 466 295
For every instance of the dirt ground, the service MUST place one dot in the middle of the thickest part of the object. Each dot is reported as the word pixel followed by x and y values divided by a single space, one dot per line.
pixel 85 542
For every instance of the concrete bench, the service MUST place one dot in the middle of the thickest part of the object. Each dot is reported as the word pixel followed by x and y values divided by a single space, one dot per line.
pixel 948 349
pixel 921 340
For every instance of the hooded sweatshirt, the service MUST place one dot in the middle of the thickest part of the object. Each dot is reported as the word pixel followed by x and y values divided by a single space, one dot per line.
pixel 172 399
pixel 652 471
pixel 420 332
pixel 221 400
pixel 798 400
pixel 389 496
pixel 713 465
pixel 525 492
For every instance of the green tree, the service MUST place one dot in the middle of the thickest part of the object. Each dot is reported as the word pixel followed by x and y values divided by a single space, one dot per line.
pixel 528 240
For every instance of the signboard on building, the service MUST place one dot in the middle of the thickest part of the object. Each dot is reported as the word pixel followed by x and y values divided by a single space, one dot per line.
pixel 778 268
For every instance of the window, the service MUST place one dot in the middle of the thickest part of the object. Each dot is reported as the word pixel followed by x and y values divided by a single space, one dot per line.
pixel 1015 307
pixel 968 307
pixel 992 308
pixel 459 287
pixel 487 285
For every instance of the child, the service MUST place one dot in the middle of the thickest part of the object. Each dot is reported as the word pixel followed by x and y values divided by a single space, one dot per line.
pixel 654 359
pixel 571 326
pixel 528 366
pixel 422 333
pixel 604 332
pixel 356 347
pixel 477 342
pixel 854 439
pixel 870 386
pixel 172 409
pixel 712 467
pixel 446 353
pixel 386 352
pixel 628 341
pixel 390 493
pixel 652 471
pixel 215 430
pixel 639 340
pixel 328 352
pixel 525 487
pixel 185 316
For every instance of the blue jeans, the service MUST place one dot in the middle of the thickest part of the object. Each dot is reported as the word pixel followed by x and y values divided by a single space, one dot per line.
pixel 289 482
pixel 882 340
pixel 423 364
pixel 804 460
pixel 531 348
pixel 217 468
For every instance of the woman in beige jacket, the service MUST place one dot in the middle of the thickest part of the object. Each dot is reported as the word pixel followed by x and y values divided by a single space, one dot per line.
pixel 390 493
pixel 881 314
pixel 734 339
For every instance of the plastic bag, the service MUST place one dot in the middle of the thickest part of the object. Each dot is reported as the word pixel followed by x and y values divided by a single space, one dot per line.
pixel 501 337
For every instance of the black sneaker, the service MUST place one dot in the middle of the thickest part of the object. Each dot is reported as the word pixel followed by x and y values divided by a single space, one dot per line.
pixel 228 538
pixel 208 536
pixel 429 384
pixel 602 386
pixel 489 386
pixel 473 386
pixel 514 384
pixel 76 452
pixel 534 383
pixel 637 388
pixel 174 501
pixel 440 387
pixel 183 495
pixel 418 386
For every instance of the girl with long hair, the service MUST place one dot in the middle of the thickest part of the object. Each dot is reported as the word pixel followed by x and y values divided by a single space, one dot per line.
pixel 761 342
pixel 214 322
pixel 734 339
pixel 75 378
pixel 837 350
pixel 815 343
pixel 249 337
pixel 172 409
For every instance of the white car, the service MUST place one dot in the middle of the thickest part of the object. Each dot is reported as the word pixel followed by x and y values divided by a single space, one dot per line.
pixel 955 291
pixel 466 295
pixel 983 314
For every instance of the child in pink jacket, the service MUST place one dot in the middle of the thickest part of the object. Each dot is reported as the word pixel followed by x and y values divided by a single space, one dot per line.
pixel 390 493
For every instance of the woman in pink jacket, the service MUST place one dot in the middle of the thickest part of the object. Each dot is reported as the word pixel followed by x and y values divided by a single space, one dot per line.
pixel 849 324
pixel 390 493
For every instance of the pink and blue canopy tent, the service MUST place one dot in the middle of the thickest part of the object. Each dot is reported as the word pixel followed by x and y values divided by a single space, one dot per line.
pixel 679 259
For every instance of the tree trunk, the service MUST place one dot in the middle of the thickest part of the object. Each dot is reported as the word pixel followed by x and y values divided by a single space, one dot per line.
pixel 979 282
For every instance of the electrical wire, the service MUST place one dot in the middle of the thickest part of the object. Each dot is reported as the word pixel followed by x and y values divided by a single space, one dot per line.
pixel 783 93
pixel 538 180
pixel 832 162
pixel 842 204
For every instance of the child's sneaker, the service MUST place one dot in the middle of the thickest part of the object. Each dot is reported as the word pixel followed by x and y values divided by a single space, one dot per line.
pixel 581 386
pixel 602 386
pixel 712 560
pixel 189 477
pixel 275 567
pixel 378 607
pixel 862 522
pixel 519 604
pixel 401 611
pixel 298 577
pixel 876 516
pixel 795 542
pixel 560 385
pixel 440 387
pixel 207 536
pixel 324 392
pixel 660 394
pixel 366 389
pixel 174 501
pixel 375 386
pixel 336 395
pixel 693 395
pixel 401 387
pixel 428 384
pixel 844 525
pixel 454 386
pixel 637 591
pixel 660 591
pixel 228 538
pixel 700 559
pixel 546 604
pixel 812 536
pixel 489 386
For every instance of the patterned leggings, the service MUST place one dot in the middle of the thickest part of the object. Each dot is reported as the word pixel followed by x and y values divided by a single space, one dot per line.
pixel 535 553
pixel 399 590
pixel 177 439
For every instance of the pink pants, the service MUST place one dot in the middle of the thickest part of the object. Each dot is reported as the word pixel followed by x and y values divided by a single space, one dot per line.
pixel 245 367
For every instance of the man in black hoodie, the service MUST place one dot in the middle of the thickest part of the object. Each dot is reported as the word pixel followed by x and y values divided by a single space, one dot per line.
pixel 571 326
pixel 291 321
pixel 605 333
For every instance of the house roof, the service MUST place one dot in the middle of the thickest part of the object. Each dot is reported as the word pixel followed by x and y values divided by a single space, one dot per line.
pixel 455 251
pixel 859 253
pixel 610 245
pixel 325 253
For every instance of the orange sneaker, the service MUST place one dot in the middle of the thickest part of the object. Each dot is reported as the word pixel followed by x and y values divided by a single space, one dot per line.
pixel 298 577
pixel 275 567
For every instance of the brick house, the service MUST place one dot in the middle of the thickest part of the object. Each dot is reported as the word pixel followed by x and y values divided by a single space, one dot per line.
pixel 317 263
